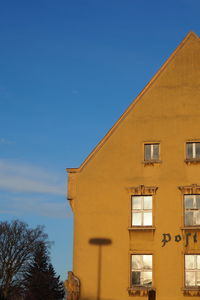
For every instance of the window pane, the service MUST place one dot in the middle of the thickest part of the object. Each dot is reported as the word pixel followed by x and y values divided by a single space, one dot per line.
pixel 137 202
pixel 147 152
pixel 147 219
pixel 190 279
pixel 197 217
pixel 147 202
pixel 147 261
pixel 136 262
pixel 146 278
pixel 155 151
pixel 197 146
pixel 136 278
pixel 189 150
pixel 197 201
pixel 189 201
pixel 137 219
pixel 198 262
pixel 198 278
pixel 189 218
pixel 190 262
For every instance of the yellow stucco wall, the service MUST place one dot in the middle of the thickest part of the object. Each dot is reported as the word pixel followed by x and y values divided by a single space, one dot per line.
pixel 167 111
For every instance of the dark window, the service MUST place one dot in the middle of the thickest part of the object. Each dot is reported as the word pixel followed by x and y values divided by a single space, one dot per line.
pixel 141 270
pixel 192 210
pixel 151 152
pixel 193 151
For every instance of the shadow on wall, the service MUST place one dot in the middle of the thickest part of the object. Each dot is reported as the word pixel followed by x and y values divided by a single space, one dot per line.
pixel 99 242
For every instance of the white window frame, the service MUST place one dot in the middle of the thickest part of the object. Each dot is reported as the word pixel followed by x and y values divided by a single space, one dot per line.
pixel 152 152
pixel 194 156
pixel 192 209
pixel 141 270
pixel 141 210
pixel 194 270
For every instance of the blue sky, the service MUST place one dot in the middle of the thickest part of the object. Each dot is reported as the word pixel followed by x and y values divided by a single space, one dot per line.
pixel 68 70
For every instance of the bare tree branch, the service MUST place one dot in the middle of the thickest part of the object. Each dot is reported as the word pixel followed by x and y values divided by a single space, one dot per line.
pixel 18 244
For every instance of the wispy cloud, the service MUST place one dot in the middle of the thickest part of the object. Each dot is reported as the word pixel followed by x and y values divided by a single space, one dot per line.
pixel 38 206
pixel 28 189
pixel 5 142
pixel 23 177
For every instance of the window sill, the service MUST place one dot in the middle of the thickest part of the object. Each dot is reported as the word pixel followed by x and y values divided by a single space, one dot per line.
pixel 151 162
pixel 141 228
pixel 192 161
pixel 191 291
pixel 139 290
pixel 190 228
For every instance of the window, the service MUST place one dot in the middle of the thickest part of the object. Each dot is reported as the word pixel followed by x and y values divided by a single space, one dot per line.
pixel 192 270
pixel 193 151
pixel 151 152
pixel 141 270
pixel 192 210
pixel 141 211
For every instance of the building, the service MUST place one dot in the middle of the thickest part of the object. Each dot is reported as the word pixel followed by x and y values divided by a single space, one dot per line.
pixel 136 198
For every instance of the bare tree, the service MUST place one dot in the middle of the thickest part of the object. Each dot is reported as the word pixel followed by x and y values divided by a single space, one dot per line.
pixel 18 244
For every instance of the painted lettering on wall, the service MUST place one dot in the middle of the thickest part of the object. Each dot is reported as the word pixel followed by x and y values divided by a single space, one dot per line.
pixel 166 238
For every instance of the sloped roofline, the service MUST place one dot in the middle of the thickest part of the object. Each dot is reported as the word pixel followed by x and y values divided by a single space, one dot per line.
pixel 131 106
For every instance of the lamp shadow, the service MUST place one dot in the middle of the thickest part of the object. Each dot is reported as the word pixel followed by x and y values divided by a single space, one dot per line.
pixel 99 242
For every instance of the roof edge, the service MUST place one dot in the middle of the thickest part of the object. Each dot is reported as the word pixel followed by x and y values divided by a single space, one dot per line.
pixel 131 106
pixel 72 170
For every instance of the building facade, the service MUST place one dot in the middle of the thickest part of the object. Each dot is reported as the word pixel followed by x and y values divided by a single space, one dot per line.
pixel 136 198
